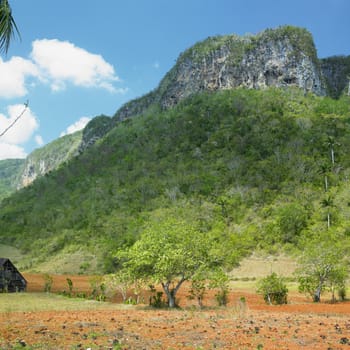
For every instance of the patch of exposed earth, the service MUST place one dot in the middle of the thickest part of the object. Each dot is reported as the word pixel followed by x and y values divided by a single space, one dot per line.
pixel 300 324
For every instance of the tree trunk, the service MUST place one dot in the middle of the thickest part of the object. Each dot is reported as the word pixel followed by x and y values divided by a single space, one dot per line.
pixel 171 292
pixel 317 294
pixel 328 220
pixel 333 294
pixel 332 155
pixel 171 299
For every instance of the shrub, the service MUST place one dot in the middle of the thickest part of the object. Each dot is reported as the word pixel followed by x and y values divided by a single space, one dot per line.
pixel 222 297
pixel 219 280
pixel 342 293
pixel 273 289
pixel 198 290
pixel 156 299
pixel 48 281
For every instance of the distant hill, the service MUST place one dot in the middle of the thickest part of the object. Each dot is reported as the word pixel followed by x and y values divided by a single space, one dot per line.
pixel 10 170
pixel 17 173
pixel 281 57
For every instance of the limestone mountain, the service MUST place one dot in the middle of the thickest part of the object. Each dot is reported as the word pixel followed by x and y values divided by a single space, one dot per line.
pixel 49 157
pixel 18 173
pixel 336 72
pixel 280 57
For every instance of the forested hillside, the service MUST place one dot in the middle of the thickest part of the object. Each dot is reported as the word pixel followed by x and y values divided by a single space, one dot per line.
pixel 9 173
pixel 17 173
pixel 268 167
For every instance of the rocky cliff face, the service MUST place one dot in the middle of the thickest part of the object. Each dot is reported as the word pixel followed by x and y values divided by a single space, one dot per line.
pixel 94 130
pixel 336 72
pixel 282 57
pixel 48 158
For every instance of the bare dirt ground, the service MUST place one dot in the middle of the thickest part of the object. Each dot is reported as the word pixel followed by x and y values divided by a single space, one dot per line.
pixel 300 324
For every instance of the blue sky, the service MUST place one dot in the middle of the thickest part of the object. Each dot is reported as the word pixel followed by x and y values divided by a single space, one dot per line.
pixel 81 58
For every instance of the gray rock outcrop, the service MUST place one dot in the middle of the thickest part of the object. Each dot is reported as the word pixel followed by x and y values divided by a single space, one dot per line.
pixel 282 57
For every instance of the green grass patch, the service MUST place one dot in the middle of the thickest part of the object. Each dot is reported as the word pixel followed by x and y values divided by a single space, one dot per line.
pixel 31 302
pixel 12 253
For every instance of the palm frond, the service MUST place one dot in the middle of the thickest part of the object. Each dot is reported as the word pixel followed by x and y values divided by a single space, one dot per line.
pixel 8 27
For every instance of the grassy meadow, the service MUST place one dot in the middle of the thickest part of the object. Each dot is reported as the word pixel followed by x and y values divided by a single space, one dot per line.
pixel 34 302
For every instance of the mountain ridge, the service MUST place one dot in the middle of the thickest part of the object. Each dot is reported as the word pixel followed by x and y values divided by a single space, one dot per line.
pixel 245 161
pixel 275 57
pixel 38 163
pixel 281 57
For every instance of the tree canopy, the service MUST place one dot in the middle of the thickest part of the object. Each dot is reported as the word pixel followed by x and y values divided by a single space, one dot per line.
pixel 323 266
pixel 8 27
pixel 172 250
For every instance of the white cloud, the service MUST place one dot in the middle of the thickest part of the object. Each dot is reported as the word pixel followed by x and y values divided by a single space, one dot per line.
pixel 156 65
pixel 8 151
pixel 19 133
pixel 56 63
pixel 78 125
pixel 61 62
pixel 39 140
pixel 23 128
pixel 13 74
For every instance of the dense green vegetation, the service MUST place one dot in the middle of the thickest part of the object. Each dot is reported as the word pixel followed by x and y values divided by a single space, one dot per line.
pixel 9 169
pixel 252 163
pixel 176 247
pixel 40 161
pixel 337 75
pixel 56 152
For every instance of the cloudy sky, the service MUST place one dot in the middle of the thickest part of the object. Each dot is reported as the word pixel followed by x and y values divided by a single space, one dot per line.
pixel 81 58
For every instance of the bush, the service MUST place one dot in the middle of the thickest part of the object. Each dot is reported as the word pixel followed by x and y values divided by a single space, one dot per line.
pixel 156 300
pixel 273 289
pixel 219 280
pixel 48 281
pixel 222 297
pixel 342 293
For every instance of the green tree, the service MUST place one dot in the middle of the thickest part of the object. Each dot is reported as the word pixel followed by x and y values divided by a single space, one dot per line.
pixel 198 289
pixel 291 219
pixel 273 289
pixel 8 27
pixel 119 281
pixel 332 143
pixel 323 265
pixel 171 251
pixel 325 170
pixel 220 281
pixel 328 203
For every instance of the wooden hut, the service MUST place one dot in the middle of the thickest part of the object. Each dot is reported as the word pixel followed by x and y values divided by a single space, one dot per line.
pixel 10 278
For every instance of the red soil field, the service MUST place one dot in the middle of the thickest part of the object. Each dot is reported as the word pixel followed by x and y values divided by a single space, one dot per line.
pixel 300 324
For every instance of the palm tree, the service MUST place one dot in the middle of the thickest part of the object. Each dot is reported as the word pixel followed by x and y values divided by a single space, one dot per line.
pixel 8 27
pixel 331 143
pixel 325 170
pixel 328 203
